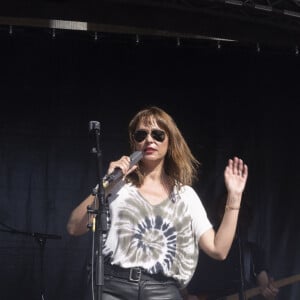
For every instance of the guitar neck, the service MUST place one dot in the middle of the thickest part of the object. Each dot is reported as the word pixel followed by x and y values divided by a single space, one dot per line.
pixel 256 291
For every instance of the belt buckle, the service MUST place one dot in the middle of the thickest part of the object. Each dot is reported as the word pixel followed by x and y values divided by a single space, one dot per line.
pixel 135 274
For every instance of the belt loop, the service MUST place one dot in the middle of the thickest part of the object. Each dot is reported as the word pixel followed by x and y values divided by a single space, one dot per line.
pixel 135 274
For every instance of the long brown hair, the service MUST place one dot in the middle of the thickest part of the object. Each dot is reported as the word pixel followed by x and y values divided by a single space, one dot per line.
pixel 180 164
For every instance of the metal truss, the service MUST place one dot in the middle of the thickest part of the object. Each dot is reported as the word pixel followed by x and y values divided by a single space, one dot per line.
pixel 254 22
pixel 279 13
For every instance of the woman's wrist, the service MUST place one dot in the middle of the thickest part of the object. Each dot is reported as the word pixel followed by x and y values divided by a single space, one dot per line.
pixel 231 207
pixel 233 202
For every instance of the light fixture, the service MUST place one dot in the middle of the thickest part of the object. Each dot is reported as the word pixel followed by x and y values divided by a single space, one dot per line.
pixel 257 47
pixel 53 33
pixel 137 39
pixel 263 7
pixel 291 13
pixel 234 2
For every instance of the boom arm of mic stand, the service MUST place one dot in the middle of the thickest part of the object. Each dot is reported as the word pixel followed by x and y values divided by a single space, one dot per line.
pixel 41 239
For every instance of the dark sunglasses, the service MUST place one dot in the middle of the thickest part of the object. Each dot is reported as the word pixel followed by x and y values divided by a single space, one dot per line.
pixel 158 135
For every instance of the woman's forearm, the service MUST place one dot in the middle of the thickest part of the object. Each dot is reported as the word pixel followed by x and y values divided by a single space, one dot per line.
pixel 79 218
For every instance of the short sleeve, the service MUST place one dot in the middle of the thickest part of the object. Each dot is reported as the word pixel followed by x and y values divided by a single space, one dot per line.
pixel 200 221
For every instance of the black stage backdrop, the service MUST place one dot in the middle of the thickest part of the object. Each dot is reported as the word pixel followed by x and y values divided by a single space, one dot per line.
pixel 226 102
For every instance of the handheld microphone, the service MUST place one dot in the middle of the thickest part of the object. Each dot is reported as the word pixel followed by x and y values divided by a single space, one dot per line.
pixel 135 157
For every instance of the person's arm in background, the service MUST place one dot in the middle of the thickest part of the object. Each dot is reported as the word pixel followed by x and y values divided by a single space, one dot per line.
pixel 186 296
pixel 263 280
pixel 268 290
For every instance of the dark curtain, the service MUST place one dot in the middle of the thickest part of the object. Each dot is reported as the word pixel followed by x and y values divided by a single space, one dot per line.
pixel 226 102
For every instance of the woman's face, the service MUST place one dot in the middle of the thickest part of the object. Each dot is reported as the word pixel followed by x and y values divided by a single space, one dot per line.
pixel 152 140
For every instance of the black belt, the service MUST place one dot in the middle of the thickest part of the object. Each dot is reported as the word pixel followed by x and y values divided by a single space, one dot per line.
pixel 134 274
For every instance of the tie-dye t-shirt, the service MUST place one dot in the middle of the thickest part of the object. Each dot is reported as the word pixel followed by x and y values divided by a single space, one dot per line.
pixel 159 238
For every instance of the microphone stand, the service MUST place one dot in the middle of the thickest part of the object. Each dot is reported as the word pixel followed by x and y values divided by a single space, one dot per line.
pixel 242 295
pixel 41 238
pixel 101 214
